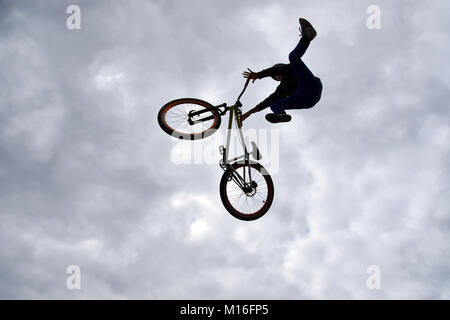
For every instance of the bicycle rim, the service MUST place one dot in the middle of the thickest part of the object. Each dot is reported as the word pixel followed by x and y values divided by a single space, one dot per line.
pixel 251 205
pixel 173 119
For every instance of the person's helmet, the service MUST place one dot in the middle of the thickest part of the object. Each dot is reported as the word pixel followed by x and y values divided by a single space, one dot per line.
pixel 276 65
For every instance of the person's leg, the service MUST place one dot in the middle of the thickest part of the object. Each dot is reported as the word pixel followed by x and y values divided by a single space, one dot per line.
pixel 298 100
pixel 290 102
pixel 301 71
pixel 278 115
pixel 277 106
pixel 308 87
pixel 299 50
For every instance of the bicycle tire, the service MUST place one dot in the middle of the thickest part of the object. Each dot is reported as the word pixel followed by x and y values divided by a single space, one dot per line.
pixel 231 207
pixel 200 131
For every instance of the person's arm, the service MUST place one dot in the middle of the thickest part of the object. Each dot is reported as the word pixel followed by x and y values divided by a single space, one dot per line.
pixel 279 93
pixel 270 72
pixel 250 75
pixel 249 113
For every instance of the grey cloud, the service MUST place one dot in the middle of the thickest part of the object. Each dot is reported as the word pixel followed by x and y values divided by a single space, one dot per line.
pixel 87 177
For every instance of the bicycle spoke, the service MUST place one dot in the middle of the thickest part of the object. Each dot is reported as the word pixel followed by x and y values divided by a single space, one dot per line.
pixel 177 118
pixel 252 202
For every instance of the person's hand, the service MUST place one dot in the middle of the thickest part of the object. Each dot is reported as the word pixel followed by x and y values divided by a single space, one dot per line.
pixel 244 116
pixel 250 75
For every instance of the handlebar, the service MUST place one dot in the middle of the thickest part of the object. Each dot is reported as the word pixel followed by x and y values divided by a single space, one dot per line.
pixel 243 90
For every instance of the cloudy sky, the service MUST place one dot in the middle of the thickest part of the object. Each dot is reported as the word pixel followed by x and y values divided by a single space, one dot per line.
pixel 88 178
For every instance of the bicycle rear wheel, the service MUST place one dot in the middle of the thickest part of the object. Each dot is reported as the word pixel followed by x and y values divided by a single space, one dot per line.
pixel 249 205
pixel 173 119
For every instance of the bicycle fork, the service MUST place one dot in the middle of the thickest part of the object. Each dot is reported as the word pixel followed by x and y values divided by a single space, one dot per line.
pixel 234 175
pixel 228 165
pixel 244 183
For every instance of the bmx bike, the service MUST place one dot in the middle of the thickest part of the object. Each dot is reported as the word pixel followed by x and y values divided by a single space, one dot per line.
pixel 246 188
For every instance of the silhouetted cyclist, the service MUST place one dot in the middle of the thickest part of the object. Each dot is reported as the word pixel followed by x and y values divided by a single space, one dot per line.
pixel 298 89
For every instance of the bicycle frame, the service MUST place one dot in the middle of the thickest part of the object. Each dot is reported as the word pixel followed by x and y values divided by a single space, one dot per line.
pixel 226 163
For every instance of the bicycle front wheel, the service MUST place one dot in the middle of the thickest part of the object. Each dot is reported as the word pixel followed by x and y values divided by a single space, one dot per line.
pixel 247 204
pixel 174 119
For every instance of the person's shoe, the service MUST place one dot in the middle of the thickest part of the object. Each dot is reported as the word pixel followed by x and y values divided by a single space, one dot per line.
pixel 308 30
pixel 278 117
